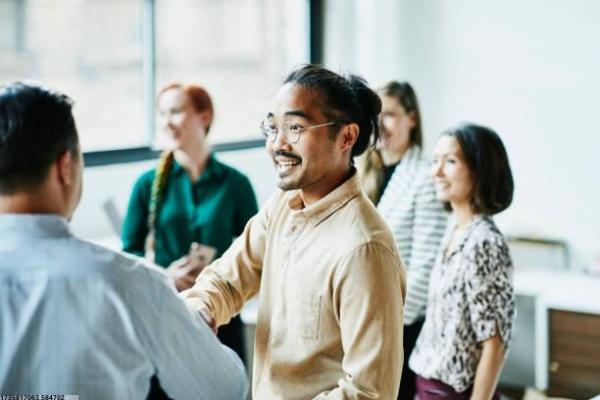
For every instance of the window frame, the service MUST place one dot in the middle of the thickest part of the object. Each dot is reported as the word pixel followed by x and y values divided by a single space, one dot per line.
pixel 97 158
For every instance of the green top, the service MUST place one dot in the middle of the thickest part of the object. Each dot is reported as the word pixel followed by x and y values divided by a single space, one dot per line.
pixel 213 210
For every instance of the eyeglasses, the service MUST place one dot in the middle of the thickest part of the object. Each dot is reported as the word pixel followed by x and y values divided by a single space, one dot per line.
pixel 291 130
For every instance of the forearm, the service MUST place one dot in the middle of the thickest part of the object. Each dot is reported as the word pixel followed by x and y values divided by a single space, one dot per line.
pixel 213 293
pixel 488 369
pixel 204 367
pixel 222 288
pixel 193 366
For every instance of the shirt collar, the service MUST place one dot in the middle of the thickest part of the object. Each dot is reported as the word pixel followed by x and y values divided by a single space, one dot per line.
pixel 33 225
pixel 330 203
pixel 214 169
pixel 464 236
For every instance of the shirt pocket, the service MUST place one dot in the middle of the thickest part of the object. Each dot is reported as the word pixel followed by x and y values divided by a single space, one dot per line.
pixel 308 314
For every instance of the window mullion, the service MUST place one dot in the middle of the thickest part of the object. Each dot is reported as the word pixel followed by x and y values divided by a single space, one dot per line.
pixel 149 67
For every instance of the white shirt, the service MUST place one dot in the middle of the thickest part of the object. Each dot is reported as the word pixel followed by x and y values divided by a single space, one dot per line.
pixel 76 318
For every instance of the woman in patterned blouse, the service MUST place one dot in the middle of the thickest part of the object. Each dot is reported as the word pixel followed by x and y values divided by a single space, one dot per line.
pixel 471 307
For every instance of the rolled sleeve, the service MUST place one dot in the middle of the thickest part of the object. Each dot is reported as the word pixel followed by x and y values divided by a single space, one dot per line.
pixel 224 286
pixel 489 290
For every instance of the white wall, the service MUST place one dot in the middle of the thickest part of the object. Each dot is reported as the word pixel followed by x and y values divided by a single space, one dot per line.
pixel 116 181
pixel 529 69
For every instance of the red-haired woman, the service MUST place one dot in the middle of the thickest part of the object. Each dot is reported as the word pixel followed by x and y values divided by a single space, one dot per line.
pixel 191 204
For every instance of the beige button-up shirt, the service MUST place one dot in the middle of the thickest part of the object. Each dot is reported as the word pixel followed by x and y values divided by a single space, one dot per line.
pixel 331 291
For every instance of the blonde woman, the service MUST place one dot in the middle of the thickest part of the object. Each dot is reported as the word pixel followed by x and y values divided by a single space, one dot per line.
pixel 396 178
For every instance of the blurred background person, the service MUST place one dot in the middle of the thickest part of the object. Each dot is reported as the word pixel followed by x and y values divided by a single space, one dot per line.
pixel 471 305
pixel 188 209
pixel 396 178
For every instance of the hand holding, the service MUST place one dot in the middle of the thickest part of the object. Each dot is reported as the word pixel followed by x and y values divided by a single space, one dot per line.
pixel 183 273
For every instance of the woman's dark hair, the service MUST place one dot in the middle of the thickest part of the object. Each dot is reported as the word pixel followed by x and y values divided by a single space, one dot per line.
pixel 345 99
pixel 36 127
pixel 488 164
pixel 407 98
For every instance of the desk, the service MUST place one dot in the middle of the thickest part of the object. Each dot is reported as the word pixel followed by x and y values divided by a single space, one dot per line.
pixel 538 292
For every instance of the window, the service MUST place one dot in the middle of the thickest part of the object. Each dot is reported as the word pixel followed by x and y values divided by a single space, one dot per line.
pixel 88 49
pixel 111 56
pixel 239 50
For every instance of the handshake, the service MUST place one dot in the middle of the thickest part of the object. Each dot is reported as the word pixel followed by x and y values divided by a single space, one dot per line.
pixel 185 270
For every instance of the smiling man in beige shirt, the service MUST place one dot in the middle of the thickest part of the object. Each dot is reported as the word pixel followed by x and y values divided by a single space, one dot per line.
pixel 330 281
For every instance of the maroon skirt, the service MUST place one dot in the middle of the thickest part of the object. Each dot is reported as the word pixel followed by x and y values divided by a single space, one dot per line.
pixel 431 389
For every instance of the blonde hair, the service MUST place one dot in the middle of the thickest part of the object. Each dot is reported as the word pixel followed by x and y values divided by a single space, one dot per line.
pixel 370 172
pixel 370 165
pixel 159 185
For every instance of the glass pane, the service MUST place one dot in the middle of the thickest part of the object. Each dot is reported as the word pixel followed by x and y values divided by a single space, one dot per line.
pixel 239 50
pixel 89 49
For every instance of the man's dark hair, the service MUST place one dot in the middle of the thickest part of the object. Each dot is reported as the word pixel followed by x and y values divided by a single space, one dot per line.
pixel 488 164
pixel 36 126
pixel 344 99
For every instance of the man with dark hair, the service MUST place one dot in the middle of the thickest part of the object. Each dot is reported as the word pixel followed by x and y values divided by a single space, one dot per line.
pixel 76 318
pixel 330 281
pixel 25 153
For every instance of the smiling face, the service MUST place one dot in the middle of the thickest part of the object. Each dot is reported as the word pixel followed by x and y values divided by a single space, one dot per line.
pixel 396 125
pixel 451 174
pixel 317 162
pixel 177 117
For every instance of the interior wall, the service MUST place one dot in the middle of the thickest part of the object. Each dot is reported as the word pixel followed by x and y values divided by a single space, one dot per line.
pixel 528 69
pixel 116 182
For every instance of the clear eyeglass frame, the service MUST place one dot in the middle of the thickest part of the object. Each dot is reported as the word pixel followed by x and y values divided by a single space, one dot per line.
pixel 292 131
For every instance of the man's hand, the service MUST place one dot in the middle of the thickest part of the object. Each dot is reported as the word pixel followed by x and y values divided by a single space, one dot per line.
pixel 184 272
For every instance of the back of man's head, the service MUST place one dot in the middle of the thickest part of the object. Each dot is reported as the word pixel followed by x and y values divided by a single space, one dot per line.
pixel 36 127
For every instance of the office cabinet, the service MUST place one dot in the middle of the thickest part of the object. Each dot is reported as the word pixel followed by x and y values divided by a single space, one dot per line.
pixel 574 358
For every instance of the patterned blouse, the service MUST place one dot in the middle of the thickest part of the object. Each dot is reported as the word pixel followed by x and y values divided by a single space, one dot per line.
pixel 471 299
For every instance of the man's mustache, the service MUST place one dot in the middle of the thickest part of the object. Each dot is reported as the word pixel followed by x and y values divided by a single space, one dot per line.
pixel 287 154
